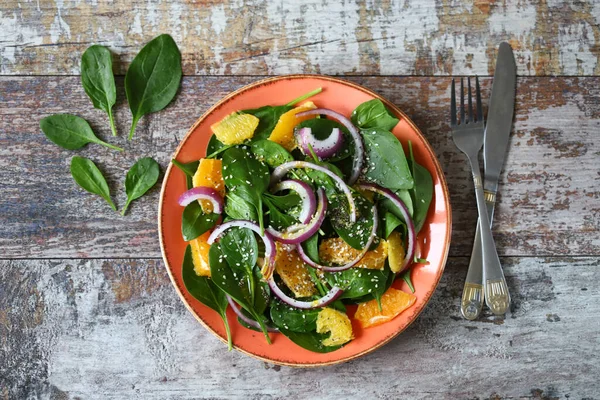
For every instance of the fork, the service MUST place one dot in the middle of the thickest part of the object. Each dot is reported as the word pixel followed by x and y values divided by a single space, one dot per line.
pixel 468 138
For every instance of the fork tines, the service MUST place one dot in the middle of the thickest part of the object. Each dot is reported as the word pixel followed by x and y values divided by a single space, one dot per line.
pixel 470 119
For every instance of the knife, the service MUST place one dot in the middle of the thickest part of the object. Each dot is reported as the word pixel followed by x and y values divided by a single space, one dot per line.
pixel 497 133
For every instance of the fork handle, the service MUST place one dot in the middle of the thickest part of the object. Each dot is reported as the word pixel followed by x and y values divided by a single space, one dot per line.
pixel 472 299
pixel 496 293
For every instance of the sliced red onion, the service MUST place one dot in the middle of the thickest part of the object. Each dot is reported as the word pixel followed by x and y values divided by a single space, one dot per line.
pixel 280 171
pixel 323 148
pixel 269 264
pixel 309 203
pixel 203 193
pixel 338 268
pixel 359 151
pixel 412 242
pixel 300 232
pixel 236 309
pixel 330 297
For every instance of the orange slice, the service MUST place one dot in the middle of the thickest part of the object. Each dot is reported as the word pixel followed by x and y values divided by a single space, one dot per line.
pixel 336 322
pixel 283 133
pixel 293 271
pixel 200 249
pixel 393 302
pixel 396 252
pixel 209 174
pixel 235 128
pixel 338 252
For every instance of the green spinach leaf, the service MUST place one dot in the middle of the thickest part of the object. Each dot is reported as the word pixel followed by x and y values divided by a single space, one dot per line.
pixel 385 161
pixel 189 169
pixel 422 192
pixel 359 282
pixel 194 222
pixel 355 234
pixel 271 153
pixel 278 219
pixel 240 248
pixel 268 117
pixel 205 291
pixel 153 78
pixel 140 178
pixel 98 80
pixel 70 132
pixel 391 223
pixel 237 207
pixel 311 247
pixel 293 319
pixel 309 340
pixel 373 114
pixel 88 176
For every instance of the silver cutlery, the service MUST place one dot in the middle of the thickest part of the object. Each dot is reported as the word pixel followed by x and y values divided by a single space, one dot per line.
pixel 495 144
pixel 468 137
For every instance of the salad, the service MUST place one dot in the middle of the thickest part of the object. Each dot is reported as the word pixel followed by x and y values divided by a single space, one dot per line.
pixel 299 214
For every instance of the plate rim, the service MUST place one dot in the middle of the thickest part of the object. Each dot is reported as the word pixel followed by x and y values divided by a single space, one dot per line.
pixel 431 154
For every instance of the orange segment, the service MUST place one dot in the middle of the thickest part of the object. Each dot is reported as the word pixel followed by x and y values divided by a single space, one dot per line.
pixel 393 302
pixel 200 249
pixel 235 128
pixel 336 322
pixel 293 271
pixel 209 174
pixel 336 251
pixel 396 252
pixel 283 133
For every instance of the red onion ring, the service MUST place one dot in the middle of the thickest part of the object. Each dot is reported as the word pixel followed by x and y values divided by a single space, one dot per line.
pixel 352 263
pixel 323 148
pixel 269 264
pixel 309 203
pixel 359 151
pixel 236 309
pixel 280 171
pixel 300 232
pixel 412 243
pixel 202 193
pixel 330 297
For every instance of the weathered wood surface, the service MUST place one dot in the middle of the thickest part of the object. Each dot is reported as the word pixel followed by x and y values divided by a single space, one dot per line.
pixel 116 329
pixel 549 193
pixel 258 37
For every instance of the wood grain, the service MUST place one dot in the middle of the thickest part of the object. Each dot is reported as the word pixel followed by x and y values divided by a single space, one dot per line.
pixel 548 201
pixel 116 329
pixel 258 37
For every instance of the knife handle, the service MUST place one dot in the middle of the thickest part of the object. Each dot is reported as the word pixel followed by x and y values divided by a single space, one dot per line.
pixel 473 296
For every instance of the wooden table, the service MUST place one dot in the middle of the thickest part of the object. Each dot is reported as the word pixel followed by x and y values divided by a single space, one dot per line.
pixel 86 306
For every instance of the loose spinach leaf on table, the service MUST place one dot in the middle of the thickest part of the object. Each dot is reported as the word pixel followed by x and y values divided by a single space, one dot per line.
pixel 88 176
pixel 194 222
pixel 98 80
pixel 189 169
pixel 140 178
pixel 235 284
pixel 359 282
pixel 373 114
pixel 153 78
pixel 70 132
pixel 293 319
pixel 422 191
pixel 309 340
pixel 385 161
pixel 205 291
pixel 273 154
pixel 249 176
pixel 268 116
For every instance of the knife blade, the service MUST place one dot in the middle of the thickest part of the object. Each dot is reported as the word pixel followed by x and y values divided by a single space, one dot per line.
pixel 496 136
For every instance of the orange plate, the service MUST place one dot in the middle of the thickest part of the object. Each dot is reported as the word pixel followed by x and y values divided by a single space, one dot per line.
pixel 341 96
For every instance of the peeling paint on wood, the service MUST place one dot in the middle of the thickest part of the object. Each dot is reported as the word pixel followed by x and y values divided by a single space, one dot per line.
pixel 259 37
pixel 66 330
pixel 547 204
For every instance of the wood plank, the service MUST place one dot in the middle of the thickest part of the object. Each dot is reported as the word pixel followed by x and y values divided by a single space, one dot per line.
pixel 257 37
pixel 548 201
pixel 116 328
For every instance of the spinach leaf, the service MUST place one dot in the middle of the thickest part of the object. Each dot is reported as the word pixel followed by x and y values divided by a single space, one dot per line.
pixel 285 202
pixel 249 176
pixel 385 160
pixel 292 318
pixel 355 234
pixel 237 207
pixel 405 196
pixel 205 291
pixel 240 248
pixel 140 178
pixel 321 128
pixel 373 114
pixel 407 278
pixel 309 340
pixel 70 132
pixel 273 154
pixel 422 191
pixel 268 117
pixel 391 223
pixel 278 219
pixel 194 222
pixel 153 78
pixel 311 247
pixel 88 176
pixel 98 80
pixel 233 283
pixel 359 282
pixel 189 169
